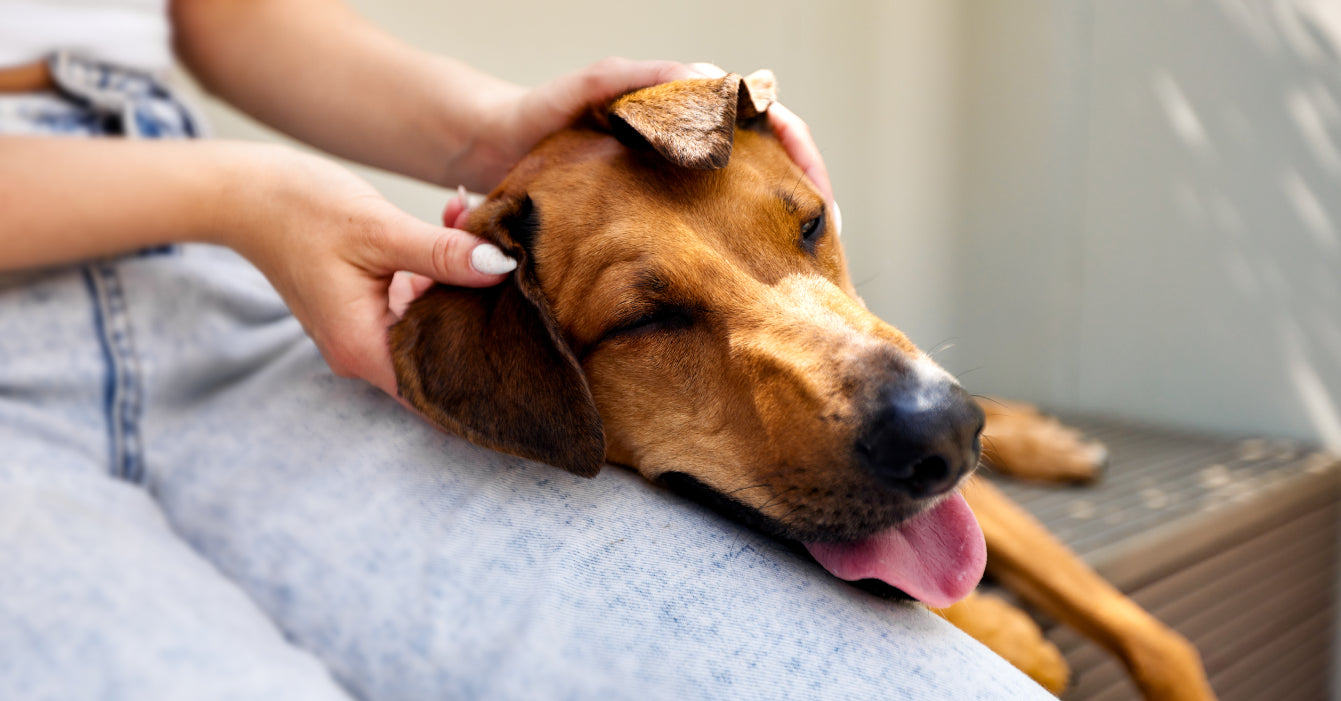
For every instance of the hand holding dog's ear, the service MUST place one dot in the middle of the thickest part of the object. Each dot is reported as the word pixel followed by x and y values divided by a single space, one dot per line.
pixel 330 244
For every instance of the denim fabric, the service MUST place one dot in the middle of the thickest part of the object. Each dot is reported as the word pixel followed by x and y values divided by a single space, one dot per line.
pixel 193 506
pixel 98 99
pixel 99 598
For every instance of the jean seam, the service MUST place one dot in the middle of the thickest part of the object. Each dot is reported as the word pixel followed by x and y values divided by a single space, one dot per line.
pixel 123 394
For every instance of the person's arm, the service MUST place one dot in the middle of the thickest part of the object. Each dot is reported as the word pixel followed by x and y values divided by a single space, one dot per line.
pixel 75 199
pixel 319 72
pixel 325 239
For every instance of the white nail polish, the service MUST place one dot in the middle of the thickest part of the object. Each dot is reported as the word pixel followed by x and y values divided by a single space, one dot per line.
pixel 490 260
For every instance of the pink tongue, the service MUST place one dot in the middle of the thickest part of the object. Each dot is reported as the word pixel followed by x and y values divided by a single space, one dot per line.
pixel 936 558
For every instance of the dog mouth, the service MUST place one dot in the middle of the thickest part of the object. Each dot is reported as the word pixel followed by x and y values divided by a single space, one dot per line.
pixel 936 556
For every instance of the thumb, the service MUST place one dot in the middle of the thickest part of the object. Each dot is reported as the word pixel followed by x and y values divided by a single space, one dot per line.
pixel 449 256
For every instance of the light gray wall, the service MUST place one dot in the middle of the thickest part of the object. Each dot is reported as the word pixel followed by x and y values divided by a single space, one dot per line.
pixel 1153 196
pixel 1212 275
pixel 1019 199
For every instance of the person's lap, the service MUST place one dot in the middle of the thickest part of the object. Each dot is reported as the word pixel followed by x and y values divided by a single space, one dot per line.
pixel 99 598
pixel 415 565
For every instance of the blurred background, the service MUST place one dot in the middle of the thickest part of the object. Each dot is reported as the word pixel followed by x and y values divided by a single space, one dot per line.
pixel 1131 208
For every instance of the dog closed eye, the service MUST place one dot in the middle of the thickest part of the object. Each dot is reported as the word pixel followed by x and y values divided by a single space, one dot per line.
pixel 660 317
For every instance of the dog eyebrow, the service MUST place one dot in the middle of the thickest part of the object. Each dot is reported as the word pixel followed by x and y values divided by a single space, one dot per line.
pixel 801 204
pixel 646 291
pixel 634 298
pixel 650 282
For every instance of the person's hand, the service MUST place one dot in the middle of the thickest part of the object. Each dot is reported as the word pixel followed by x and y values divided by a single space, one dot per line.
pixel 407 286
pixel 330 244
pixel 514 119
pixel 517 119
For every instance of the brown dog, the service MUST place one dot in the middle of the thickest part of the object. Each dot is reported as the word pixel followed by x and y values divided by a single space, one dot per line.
pixel 682 307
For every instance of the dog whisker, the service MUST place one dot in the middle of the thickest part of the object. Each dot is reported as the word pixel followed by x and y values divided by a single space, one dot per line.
pixel 783 518
pixel 759 485
pixel 993 400
pixel 961 375
pixel 866 281
pixel 777 496
pixel 941 347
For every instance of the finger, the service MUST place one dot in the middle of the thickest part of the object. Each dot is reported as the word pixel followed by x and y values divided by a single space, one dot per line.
pixel 419 284
pixel 449 256
pixel 612 77
pixel 795 137
pixel 459 221
pixel 707 70
pixel 455 207
pixel 406 287
pixel 400 292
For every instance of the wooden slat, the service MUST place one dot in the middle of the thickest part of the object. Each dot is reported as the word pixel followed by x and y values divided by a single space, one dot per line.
pixel 1233 542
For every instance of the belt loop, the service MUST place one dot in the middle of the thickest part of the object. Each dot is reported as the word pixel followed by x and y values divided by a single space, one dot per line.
pixel 143 103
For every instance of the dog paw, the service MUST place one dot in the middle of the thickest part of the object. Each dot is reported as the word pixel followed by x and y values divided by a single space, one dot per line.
pixel 1011 633
pixel 1020 441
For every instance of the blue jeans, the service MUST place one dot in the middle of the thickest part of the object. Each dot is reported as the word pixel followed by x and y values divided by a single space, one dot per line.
pixel 193 506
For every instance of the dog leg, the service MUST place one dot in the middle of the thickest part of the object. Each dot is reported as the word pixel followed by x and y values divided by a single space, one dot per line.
pixel 1011 633
pixel 1021 442
pixel 1028 560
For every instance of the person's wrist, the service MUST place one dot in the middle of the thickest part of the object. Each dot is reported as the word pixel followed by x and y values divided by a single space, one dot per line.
pixel 261 189
pixel 474 135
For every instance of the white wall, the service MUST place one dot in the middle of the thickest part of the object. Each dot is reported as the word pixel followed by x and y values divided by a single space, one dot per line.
pixel 1153 208
pixel 1018 201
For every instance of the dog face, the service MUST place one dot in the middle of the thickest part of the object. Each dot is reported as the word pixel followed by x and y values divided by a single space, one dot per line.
pixel 690 316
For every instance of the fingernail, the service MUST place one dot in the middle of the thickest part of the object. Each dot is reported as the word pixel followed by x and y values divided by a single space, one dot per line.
pixel 837 219
pixel 707 70
pixel 490 260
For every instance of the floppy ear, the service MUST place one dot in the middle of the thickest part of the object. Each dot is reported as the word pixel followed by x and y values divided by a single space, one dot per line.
pixel 491 364
pixel 691 123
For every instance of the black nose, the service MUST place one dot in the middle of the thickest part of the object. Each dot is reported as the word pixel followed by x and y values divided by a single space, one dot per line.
pixel 922 437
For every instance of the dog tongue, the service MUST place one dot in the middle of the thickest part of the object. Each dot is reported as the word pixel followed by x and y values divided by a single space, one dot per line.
pixel 936 558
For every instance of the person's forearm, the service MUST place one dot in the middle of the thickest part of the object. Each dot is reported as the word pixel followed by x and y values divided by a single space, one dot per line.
pixel 319 72
pixel 63 200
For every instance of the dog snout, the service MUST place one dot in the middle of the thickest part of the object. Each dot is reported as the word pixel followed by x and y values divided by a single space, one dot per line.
pixel 922 437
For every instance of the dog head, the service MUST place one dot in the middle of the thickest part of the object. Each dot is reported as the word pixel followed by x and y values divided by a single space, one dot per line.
pixel 682 307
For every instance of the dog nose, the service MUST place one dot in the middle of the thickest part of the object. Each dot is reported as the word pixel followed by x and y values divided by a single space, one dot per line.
pixel 922 437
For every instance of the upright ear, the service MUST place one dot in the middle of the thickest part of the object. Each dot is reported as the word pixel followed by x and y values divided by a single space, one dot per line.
pixel 491 364
pixel 692 123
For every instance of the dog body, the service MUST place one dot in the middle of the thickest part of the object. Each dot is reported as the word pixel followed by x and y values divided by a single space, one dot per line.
pixel 682 307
